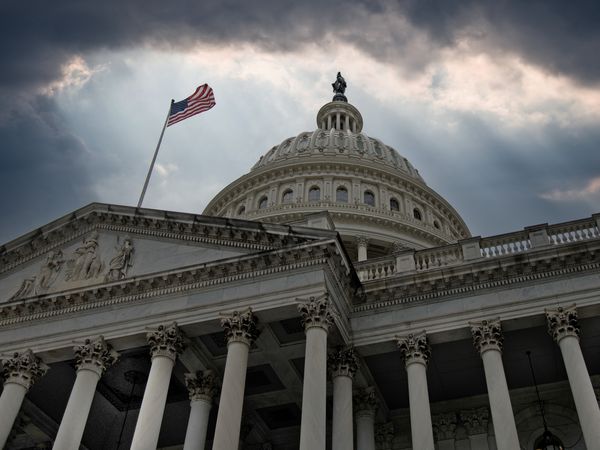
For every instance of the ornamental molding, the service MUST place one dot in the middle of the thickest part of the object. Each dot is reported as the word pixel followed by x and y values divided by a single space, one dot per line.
pixel 175 282
pixel 23 368
pixel 471 278
pixel 96 355
pixel 476 420
pixel 202 385
pixel 343 362
pixel 316 312
pixel 166 340
pixel 365 401
pixel 415 348
pixel 384 435
pixel 563 322
pixel 241 327
pixel 487 335
pixel 176 226
pixel 444 426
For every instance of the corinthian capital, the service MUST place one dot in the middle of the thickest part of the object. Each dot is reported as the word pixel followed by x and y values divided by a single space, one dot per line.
pixel 414 348
pixel 444 426
pixel 95 355
pixel 487 335
pixel 362 240
pixel 316 312
pixel 343 362
pixel 476 420
pixel 23 368
pixel 201 385
pixel 166 341
pixel 562 322
pixel 241 327
pixel 365 401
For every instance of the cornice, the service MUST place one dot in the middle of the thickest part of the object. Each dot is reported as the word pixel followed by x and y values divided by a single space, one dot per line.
pixel 168 283
pixel 187 228
pixel 470 279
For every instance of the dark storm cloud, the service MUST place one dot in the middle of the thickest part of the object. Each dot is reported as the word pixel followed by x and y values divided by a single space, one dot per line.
pixel 39 36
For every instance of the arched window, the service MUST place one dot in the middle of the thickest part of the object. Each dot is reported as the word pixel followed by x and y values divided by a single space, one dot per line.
pixel 263 202
pixel 287 196
pixel 394 205
pixel 314 194
pixel 369 198
pixel 417 214
pixel 241 210
pixel 436 224
pixel 341 195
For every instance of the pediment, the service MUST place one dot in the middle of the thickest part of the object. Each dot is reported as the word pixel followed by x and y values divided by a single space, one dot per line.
pixel 97 247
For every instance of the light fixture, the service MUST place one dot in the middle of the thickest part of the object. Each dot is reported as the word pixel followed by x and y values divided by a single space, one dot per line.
pixel 547 441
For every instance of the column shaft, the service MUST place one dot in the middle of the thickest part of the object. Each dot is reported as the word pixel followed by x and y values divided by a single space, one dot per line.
pixel 342 435
pixel 229 416
pixel 195 436
pixel 583 392
pixel 365 430
pixel 503 418
pixel 10 404
pixel 76 414
pixel 420 414
pixel 312 431
pixel 149 420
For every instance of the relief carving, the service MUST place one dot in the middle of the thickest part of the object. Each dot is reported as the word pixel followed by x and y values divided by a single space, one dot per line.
pixel 46 276
pixel 85 263
pixel 121 262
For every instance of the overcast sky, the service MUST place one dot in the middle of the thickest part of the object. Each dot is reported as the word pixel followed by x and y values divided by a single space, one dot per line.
pixel 497 103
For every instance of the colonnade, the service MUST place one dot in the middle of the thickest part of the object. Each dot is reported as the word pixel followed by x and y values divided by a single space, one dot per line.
pixel 94 356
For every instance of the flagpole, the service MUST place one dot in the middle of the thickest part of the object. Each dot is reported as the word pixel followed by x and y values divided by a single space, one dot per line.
pixel 154 157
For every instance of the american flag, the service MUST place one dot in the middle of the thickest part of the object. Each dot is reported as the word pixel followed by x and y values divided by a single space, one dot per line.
pixel 201 100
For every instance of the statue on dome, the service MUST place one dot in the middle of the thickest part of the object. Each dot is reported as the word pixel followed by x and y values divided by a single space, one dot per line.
pixel 339 87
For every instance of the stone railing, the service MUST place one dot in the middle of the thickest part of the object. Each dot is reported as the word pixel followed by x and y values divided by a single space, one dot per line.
pixel 478 248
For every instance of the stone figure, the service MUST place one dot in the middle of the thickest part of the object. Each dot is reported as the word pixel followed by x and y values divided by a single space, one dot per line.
pixel 85 263
pixel 339 86
pixel 47 275
pixel 27 288
pixel 49 270
pixel 120 264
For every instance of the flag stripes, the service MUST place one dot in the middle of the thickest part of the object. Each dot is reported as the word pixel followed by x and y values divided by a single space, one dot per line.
pixel 201 100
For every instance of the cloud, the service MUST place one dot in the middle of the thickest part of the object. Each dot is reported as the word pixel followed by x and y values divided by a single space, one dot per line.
pixel 590 190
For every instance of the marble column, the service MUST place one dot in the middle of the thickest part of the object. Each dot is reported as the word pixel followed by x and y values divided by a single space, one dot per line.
pixel 202 387
pixel 343 364
pixel 316 318
pixel 444 428
pixel 563 326
pixel 416 352
pixel 241 331
pixel 365 405
pixel 92 359
pixel 476 424
pixel 19 373
pixel 487 338
pixel 165 344
pixel 362 243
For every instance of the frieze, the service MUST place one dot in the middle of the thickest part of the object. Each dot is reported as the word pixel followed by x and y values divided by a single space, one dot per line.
pixel 209 274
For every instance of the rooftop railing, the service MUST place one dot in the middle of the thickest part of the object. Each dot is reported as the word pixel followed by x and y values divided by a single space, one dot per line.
pixel 478 248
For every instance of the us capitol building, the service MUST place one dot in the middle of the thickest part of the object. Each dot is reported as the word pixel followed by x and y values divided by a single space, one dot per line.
pixel 328 299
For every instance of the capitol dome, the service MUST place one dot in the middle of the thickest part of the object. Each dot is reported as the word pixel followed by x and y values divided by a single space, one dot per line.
pixel 375 197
